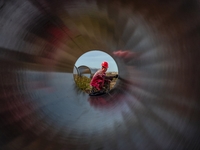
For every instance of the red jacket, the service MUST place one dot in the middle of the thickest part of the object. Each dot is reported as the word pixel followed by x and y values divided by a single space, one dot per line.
pixel 98 79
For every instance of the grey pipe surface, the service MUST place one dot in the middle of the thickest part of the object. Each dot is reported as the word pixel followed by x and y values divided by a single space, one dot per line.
pixel 155 103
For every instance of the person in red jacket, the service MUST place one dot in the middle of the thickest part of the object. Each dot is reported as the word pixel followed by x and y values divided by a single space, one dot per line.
pixel 99 78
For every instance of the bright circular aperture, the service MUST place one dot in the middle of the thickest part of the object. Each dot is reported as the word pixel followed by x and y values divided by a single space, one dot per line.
pixel 90 62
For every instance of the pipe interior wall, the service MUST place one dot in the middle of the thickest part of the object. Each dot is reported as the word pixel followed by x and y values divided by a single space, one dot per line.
pixel 155 103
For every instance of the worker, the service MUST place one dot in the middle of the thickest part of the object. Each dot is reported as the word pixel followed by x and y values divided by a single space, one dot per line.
pixel 100 78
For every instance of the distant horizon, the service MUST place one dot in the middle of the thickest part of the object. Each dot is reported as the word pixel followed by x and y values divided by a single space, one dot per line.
pixel 93 59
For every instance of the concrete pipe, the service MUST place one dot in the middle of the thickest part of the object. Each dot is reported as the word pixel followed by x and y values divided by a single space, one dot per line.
pixel 155 103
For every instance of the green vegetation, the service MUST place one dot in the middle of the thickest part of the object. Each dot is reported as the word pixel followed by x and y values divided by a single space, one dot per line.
pixel 83 83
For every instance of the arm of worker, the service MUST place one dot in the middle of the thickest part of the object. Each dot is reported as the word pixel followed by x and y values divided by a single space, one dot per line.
pixel 111 77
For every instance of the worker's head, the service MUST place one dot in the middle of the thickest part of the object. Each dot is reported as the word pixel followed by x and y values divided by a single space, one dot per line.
pixel 104 66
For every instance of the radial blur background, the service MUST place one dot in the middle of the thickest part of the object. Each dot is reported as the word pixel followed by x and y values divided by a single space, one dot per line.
pixel 155 103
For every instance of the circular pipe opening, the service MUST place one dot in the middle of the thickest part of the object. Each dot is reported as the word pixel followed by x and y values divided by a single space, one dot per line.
pixel 88 64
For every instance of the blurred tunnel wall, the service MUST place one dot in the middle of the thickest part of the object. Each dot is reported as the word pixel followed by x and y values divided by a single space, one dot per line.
pixel 155 44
